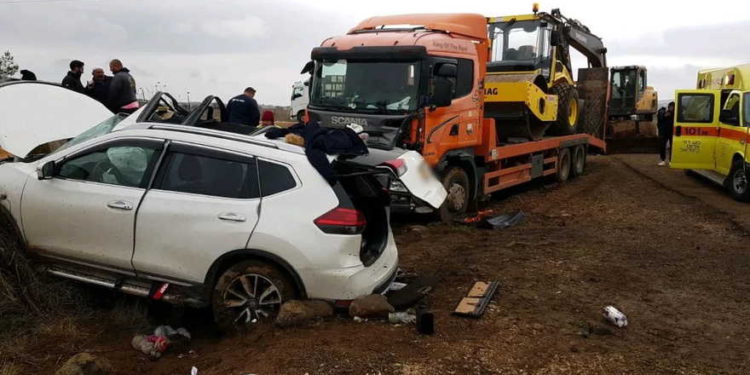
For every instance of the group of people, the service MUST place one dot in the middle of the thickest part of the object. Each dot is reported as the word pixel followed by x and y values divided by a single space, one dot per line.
pixel 117 92
pixel 665 125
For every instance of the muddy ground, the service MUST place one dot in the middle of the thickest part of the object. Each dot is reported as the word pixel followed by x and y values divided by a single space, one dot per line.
pixel 670 250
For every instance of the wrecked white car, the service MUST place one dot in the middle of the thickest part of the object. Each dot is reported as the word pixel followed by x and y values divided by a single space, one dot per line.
pixel 194 215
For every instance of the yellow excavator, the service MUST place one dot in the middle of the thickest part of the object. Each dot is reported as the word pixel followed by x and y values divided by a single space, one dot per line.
pixel 529 87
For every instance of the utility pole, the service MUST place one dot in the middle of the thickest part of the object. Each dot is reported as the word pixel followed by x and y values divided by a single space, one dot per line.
pixel 188 99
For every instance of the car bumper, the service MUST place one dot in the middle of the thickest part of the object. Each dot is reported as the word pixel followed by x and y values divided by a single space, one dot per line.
pixel 352 282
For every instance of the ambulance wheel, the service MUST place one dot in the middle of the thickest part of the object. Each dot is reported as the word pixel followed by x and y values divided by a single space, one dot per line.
pixel 456 183
pixel 563 165
pixel 579 160
pixel 737 182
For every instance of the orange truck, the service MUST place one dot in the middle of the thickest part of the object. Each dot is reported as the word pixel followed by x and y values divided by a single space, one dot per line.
pixel 420 82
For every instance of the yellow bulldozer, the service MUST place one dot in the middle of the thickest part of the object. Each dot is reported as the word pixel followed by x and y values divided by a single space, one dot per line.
pixel 529 87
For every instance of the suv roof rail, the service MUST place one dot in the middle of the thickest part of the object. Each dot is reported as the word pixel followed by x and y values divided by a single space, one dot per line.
pixel 214 133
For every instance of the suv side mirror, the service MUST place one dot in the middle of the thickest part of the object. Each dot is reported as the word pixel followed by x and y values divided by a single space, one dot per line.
pixel 442 92
pixel 295 96
pixel 728 116
pixel 46 171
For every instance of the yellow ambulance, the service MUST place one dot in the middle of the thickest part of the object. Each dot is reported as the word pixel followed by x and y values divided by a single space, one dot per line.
pixel 711 128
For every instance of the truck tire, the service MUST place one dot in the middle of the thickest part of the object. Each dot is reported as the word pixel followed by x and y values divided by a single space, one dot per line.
pixel 563 165
pixel 301 116
pixel 579 161
pixel 738 183
pixel 456 183
pixel 568 113
pixel 236 299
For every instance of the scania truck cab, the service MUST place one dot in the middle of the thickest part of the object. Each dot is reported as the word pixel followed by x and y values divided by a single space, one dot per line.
pixel 711 128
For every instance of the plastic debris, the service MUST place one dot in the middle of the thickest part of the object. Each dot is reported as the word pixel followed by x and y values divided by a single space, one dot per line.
pixel 502 221
pixel 194 371
pixel 402 317
pixel 163 338
pixel 615 316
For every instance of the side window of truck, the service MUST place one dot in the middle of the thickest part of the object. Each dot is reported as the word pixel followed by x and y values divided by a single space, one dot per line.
pixel 464 78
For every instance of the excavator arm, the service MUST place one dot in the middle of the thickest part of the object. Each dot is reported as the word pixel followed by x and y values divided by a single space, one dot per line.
pixel 580 37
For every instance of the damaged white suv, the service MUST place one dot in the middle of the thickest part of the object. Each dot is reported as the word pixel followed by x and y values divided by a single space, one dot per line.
pixel 194 215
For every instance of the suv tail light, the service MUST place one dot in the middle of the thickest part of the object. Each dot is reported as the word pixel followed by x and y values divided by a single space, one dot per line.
pixel 342 220
pixel 398 166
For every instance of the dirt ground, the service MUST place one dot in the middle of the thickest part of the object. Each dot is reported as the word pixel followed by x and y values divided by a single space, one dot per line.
pixel 669 250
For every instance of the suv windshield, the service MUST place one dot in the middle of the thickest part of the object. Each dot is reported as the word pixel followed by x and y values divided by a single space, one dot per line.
pixel 102 128
pixel 366 86
pixel 521 44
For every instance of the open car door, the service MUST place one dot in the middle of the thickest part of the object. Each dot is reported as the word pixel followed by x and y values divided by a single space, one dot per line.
pixel 696 129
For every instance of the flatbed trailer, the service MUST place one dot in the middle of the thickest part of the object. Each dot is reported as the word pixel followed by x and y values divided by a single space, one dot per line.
pixel 508 165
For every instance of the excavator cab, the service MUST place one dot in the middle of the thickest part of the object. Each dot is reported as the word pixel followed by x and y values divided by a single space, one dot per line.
pixel 631 97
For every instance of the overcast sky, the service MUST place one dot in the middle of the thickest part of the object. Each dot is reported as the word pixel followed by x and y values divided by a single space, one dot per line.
pixel 221 46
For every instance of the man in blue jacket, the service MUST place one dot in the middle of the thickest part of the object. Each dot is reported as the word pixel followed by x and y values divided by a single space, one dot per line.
pixel 243 109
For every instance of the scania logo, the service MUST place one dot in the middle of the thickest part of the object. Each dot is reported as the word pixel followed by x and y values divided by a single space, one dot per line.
pixel 344 120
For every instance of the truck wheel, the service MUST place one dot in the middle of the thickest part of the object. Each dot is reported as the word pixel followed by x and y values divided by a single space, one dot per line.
pixel 567 109
pixel 579 160
pixel 456 183
pixel 737 182
pixel 563 165
pixel 249 292
pixel 301 116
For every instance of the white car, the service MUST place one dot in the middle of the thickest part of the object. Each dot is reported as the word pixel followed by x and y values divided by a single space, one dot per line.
pixel 195 215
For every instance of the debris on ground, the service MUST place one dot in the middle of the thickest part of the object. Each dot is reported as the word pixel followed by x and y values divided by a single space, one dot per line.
pixel 85 364
pixel 481 215
pixel 163 338
pixel 502 221
pixel 425 322
pixel 615 316
pixel 371 306
pixel 411 293
pixel 402 317
pixel 476 301
pixel 297 312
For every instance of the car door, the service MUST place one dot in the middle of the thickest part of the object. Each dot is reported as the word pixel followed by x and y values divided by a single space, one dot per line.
pixel 695 129
pixel 204 203
pixel 732 135
pixel 86 211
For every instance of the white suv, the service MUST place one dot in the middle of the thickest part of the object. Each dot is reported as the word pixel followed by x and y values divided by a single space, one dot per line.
pixel 200 216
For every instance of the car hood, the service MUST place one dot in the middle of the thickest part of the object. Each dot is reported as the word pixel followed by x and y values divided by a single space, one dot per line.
pixel 36 113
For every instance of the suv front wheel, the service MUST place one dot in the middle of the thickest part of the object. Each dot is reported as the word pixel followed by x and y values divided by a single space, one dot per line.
pixel 248 293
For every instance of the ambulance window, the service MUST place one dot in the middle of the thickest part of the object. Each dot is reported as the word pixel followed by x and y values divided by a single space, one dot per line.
pixel 695 108
pixel 746 108
pixel 733 105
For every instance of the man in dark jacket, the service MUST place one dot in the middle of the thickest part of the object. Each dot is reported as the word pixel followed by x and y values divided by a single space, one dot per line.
pixel 665 124
pixel 243 109
pixel 98 87
pixel 73 79
pixel 121 89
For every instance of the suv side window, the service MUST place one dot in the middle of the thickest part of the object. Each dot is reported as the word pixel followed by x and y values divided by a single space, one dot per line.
pixel 274 178
pixel 207 172
pixel 124 163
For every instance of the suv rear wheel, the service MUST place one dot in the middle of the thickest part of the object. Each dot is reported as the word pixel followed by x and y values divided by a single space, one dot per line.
pixel 249 292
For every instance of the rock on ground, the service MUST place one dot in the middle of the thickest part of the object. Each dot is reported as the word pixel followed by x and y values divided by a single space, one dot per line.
pixel 372 306
pixel 85 364
pixel 298 312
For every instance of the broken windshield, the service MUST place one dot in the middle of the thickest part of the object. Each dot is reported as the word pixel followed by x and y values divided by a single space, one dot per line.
pixel 104 127
pixel 378 87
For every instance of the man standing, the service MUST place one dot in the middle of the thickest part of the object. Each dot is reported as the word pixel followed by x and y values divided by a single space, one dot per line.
pixel 73 79
pixel 98 87
pixel 665 124
pixel 243 109
pixel 121 89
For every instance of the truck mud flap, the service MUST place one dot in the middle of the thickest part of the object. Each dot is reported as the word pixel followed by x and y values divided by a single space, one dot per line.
pixel 593 91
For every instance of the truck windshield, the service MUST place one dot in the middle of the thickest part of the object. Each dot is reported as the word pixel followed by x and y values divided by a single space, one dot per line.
pixel 520 44
pixel 379 87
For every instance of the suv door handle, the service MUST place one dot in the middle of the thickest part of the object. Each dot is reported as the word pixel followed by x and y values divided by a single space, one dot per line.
pixel 120 205
pixel 231 216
